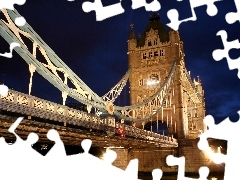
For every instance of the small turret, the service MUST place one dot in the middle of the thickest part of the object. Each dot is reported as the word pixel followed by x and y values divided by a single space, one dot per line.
pixel 132 41
pixel 198 85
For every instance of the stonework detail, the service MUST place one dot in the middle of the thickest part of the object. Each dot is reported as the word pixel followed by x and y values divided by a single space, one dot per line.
pixel 151 58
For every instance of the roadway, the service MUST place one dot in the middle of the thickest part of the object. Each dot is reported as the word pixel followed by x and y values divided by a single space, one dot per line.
pixel 70 135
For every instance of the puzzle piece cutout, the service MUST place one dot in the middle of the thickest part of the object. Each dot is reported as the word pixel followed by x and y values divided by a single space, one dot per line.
pixel 21 153
pixel 102 12
pixel 229 131
pixel 173 14
pixel 12 46
pixel 153 6
pixel 232 17
pixel 14 155
pixel 180 162
pixel 19 21
pixel 3 90
pixel 8 4
pixel 58 149
pixel 219 54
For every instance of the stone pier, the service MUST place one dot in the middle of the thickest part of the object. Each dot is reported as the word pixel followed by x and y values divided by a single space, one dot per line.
pixel 156 158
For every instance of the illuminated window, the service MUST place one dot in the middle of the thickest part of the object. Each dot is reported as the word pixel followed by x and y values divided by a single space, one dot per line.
pixel 155 41
pixel 162 52
pixel 150 54
pixel 195 115
pixel 144 56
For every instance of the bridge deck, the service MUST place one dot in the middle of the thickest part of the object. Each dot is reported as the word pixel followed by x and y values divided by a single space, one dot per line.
pixel 70 136
pixel 104 128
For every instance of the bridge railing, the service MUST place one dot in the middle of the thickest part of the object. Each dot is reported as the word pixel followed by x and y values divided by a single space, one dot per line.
pixel 32 106
pixel 146 135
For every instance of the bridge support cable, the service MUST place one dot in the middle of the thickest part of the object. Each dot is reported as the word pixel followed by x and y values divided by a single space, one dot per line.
pixel 190 88
pixel 53 66
pixel 115 91
pixel 32 69
pixel 156 101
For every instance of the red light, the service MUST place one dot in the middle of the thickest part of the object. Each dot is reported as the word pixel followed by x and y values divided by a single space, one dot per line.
pixel 120 130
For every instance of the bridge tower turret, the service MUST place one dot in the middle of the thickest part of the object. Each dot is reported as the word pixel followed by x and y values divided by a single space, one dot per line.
pixel 132 44
pixel 151 57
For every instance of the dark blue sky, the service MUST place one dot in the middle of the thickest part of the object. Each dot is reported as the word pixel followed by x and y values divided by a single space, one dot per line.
pixel 97 51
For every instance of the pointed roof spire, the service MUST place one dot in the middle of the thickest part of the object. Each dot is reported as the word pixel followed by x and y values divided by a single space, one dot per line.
pixel 139 35
pixel 154 17
pixel 131 25
pixel 132 34
pixel 155 24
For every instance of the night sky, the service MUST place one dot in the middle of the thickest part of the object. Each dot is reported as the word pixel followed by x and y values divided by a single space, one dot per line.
pixel 97 51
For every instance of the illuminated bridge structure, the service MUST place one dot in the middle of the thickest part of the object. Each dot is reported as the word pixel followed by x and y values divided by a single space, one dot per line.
pixel 73 125
pixel 173 96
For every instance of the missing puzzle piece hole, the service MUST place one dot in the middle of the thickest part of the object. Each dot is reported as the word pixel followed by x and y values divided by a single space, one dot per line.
pixel 109 3
pixel 234 117
pixel 10 141
pixel 42 148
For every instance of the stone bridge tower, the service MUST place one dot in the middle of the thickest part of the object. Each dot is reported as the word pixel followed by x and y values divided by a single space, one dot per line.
pixel 151 57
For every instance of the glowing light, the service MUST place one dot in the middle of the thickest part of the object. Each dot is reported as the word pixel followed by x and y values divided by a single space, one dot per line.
pixel 154 111
pixel 217 158
pixel 114 147
pixel 152 82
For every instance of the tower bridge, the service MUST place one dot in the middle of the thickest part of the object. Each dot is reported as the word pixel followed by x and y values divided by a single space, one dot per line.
pixel 161 89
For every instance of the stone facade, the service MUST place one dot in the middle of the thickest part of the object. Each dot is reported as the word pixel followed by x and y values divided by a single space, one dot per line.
pixel 156 158
pixel 151 58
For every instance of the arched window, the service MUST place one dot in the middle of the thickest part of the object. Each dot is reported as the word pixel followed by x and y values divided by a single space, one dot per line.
pixel 144 55
pixel 149 42
pixel 155 42
pixel 150 54
pixel 162 52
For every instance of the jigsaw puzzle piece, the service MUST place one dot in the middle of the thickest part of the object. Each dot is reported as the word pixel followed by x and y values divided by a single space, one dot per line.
pixel 203 173
pixel 177 161
pixel 101 11
pixel 180 162
pixel 219 54
pixel 3 90
pixel 14 126
pixel 58 149
pixel 9 4
pixel 86 145
pixel 226 130
pixel 173 14
pixel 9 54
pixel 110 156
pixel 132 169
pixel 157 174
pixel 232 17
pixel 153 6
